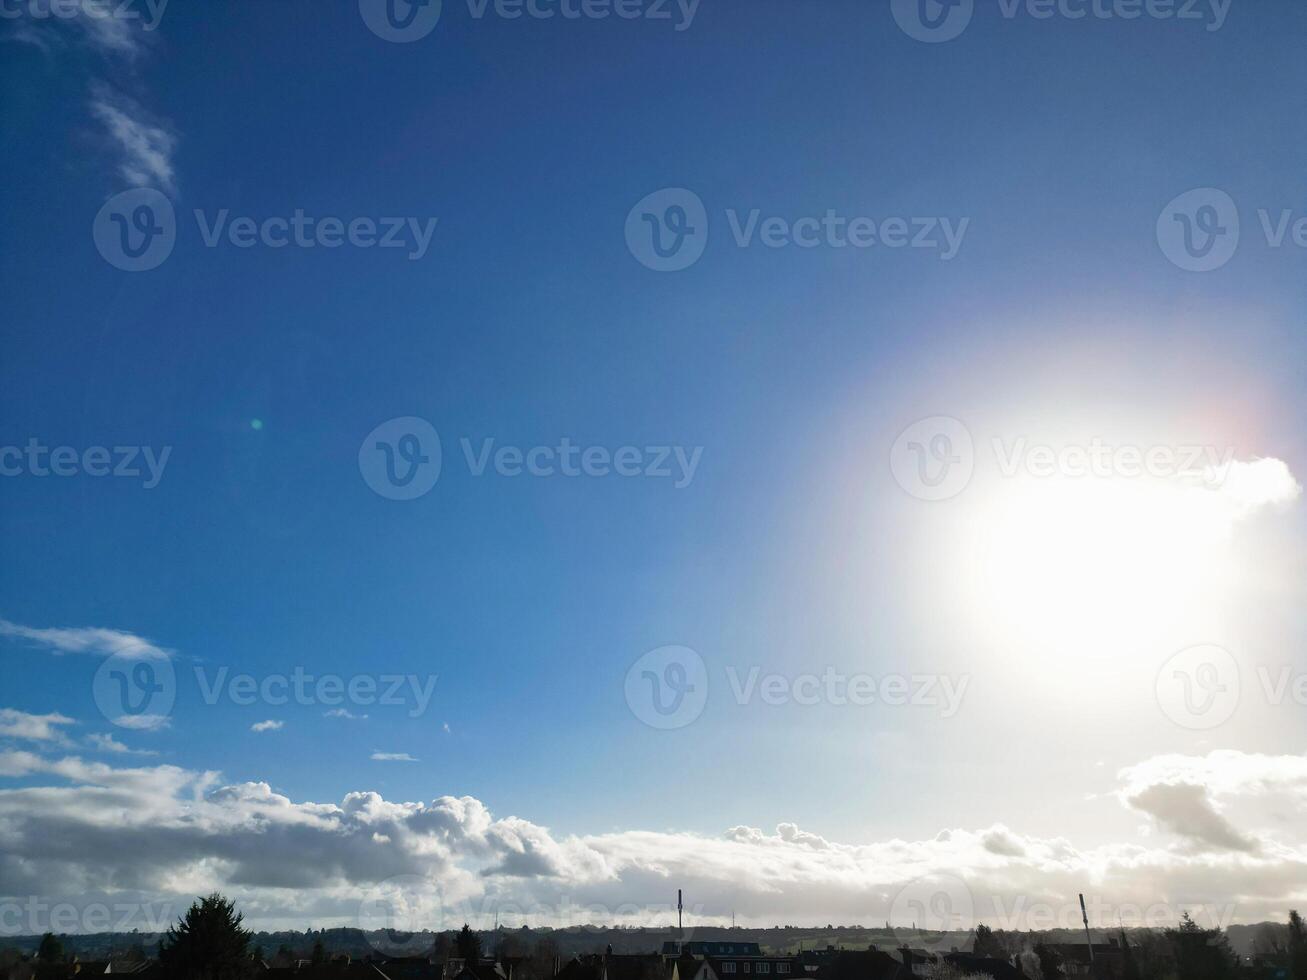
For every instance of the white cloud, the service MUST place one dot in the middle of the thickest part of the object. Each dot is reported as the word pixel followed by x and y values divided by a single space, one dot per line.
pixel 1189 796
pixel 107 743
pixel 1250 486
pixel 164 833
pixel 86 639
pixel 37 728
pixel 343 713
pixel 267 726
pixel 143 723
pixel 88 21
pixel 392 757
pixel 145 146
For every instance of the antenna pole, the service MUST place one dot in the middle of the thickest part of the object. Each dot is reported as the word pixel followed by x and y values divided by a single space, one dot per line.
pixel 1088 939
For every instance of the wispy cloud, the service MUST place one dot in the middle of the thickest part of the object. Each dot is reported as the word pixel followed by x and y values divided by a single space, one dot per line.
pixel 107 743
pixel 143 723
pixel 36 728
pixel 86 639
pixel 392 757
pixel 105 28
pixel 343 713
pixel 268 726
pixel 144 145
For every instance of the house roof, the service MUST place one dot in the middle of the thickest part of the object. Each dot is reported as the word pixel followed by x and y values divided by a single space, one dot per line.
pixel 860 964
pixel 988 965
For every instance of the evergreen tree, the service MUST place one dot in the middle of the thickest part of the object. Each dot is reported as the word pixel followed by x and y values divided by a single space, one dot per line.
pixel 51 949
pixel 1201 954
pixel 1297 947
pixel 207 943
pixel 988 944
pixel 467 944
pixel 1050 964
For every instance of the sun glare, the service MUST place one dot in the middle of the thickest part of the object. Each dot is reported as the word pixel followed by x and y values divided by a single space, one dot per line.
pixel 1101 564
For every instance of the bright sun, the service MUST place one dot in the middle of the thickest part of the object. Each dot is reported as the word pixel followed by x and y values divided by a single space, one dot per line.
pixel 1096 564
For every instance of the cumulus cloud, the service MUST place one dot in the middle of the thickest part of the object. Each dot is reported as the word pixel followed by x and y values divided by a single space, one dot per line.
pixel 163 833
pixel 1187 795
pixel 1250 486
pixel 392 757
pixel 1187 810
pixel 37 728
pixel 268 726
pixel 86 639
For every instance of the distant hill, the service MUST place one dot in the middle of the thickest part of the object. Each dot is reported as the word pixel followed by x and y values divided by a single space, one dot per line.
pixel 583 939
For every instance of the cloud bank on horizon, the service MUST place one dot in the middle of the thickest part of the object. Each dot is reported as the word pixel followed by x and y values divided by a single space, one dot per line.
pixel 161 834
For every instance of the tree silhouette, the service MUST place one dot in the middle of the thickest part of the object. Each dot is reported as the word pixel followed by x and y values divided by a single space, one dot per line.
pixel 467 944
pixel 1297 946
pixel 1201 954
pixel 51 949
pixel 207 943
pixel 988 944
pixel 1129 968
pixel 1050 964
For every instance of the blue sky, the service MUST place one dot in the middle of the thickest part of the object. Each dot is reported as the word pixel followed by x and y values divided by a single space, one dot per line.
pixel 528 320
